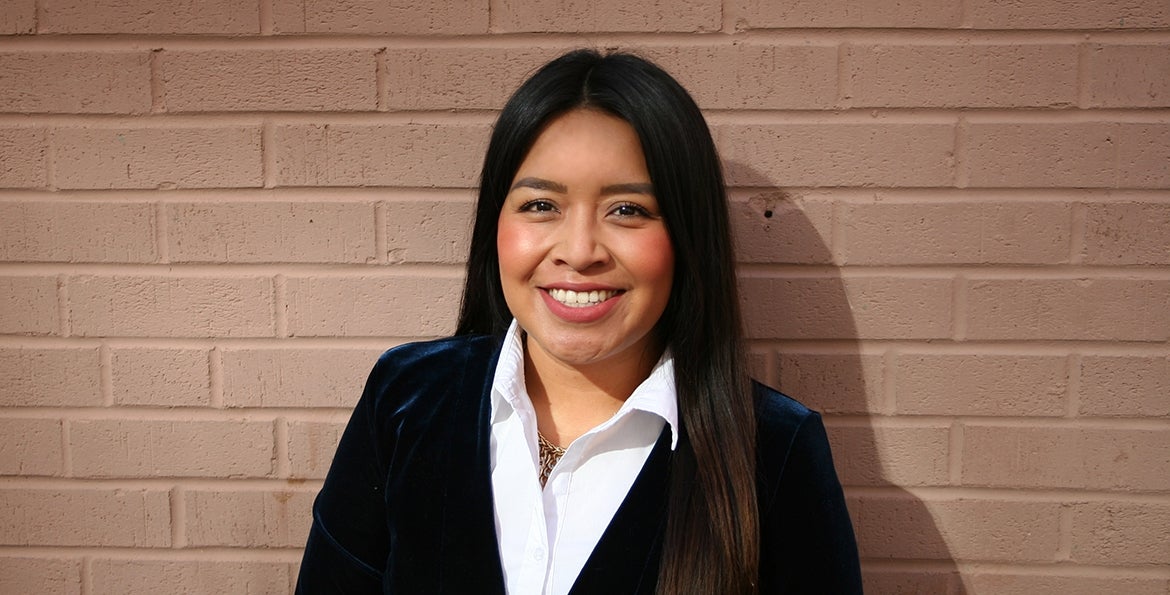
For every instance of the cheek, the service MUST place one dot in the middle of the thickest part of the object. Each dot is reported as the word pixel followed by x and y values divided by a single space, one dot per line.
pixel 514 246
pixel 654 258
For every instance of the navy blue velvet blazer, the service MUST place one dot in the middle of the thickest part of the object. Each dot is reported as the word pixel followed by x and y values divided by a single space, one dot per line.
pixel 407 505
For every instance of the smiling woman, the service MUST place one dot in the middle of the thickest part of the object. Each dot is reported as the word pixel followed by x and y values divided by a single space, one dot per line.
pixel 590 428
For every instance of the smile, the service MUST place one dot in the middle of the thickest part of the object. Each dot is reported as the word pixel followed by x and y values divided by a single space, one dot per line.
pixel 581 299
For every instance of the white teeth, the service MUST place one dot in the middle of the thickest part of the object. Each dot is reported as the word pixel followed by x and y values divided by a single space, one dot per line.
pixel 580 299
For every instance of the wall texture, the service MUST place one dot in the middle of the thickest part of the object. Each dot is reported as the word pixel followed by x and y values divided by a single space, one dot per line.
pixel 953 219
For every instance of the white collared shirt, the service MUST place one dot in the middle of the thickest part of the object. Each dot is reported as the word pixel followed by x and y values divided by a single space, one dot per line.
pixel 546 535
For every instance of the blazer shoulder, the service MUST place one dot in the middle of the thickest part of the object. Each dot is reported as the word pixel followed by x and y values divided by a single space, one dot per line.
pixel 777 414
pixel 425 358
pixel 414 371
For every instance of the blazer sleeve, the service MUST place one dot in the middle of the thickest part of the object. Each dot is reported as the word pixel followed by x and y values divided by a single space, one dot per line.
pixel 349 541
pixel 808 545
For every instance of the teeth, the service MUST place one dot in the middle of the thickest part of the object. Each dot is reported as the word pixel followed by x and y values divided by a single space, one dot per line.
pixel 581 299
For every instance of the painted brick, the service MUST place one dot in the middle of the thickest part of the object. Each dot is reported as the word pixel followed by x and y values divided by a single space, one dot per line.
pixel 955 233
pixel 1087 154
pixel 771 227
pixel 1128 75
pixel 217 17
pixel 973 384
pixel 1067 14
pixel 271 232
pixel 295 377
pixel 426 231
pixel 743 76
pixel 166 377
pixel 225 157
pixel 320 79
pixel 32 377
pixel 28 306
pixel 1127 233
pixel 40 575
pixel 1029 584
pixel 19 17
pixel 962 530
pixel 962 75
pixel 422 155
pixel 761 14
pixel 311 446
pixel 399 17
pixel 85 517
pixel 1118 533
pixel 22 157
pixel 75 82
pixel 171 306
pixel 1081 309
pixel 833 383
pixel 248 519
pixel 1043 457
pixel 30 447
pixel 691 16
pixel 151 448
pixel 906 582
pixel 830 154
pixel 473 78
pixel 376 306
pixel 820 308
pixel 67 231
pixel 194 577
pixel 881 455
pixel 1125 386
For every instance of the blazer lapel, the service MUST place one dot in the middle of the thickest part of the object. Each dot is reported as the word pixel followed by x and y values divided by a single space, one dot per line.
pixel 631 547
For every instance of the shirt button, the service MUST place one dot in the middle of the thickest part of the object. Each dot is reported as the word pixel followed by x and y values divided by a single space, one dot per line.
pixel 538 554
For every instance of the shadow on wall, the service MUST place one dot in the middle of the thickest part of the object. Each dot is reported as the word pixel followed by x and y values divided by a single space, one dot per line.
pixel 802 304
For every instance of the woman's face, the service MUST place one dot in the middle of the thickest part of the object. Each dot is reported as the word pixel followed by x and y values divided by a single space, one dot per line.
pixel 585 258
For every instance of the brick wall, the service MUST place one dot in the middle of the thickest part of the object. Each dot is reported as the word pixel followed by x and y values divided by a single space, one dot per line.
pixel 953 219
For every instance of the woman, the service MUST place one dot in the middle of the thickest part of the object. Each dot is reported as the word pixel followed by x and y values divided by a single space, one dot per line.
pixel 590 427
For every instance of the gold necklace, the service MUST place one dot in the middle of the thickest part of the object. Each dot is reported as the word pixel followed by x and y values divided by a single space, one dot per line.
pixel 550 455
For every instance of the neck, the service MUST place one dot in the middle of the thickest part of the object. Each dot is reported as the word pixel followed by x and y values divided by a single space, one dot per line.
pixel 571 400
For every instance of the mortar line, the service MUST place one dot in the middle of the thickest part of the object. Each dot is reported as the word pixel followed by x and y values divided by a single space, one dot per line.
pixel 267 19
pixel 64 322
pixel 1073 390
pixel 158 92
pixel 955 454
pixel 280 305
pixel 162 233
pixel 66 450
pixel 283 466
pixel 178 500
pixel 1077 231
pixel 1064 536
pixel 959 307
pixel 267 154
pixel 87 575
pixel 888 401
pixel 381 242
pixel 106 370
pixel 381 81
pixel 215 377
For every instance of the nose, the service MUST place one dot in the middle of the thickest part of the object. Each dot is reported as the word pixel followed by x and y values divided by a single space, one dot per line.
pixel 578 244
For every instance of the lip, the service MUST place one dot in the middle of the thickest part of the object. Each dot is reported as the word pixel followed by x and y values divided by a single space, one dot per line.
pixel 584 314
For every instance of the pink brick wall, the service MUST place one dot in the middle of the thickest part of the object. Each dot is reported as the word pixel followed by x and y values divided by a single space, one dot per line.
pixel 953 218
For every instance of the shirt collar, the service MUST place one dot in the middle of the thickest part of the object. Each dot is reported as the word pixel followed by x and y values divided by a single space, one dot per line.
pixel 656 394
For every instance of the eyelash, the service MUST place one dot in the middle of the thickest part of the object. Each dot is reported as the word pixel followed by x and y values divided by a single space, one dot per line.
pixel 544 206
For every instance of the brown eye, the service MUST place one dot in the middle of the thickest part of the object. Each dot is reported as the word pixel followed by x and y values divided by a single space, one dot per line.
pixel 538 206
pixel 630 210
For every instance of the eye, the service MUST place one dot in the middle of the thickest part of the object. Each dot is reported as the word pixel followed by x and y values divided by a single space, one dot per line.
pixel 538 206
pixel 629 209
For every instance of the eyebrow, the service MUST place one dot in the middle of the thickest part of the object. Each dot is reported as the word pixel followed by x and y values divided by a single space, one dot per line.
pixel 549 185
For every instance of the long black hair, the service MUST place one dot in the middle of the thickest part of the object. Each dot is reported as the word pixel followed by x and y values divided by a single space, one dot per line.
pixel 712 534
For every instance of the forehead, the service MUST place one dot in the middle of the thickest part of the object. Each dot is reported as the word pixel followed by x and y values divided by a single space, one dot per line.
pixel 585 143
